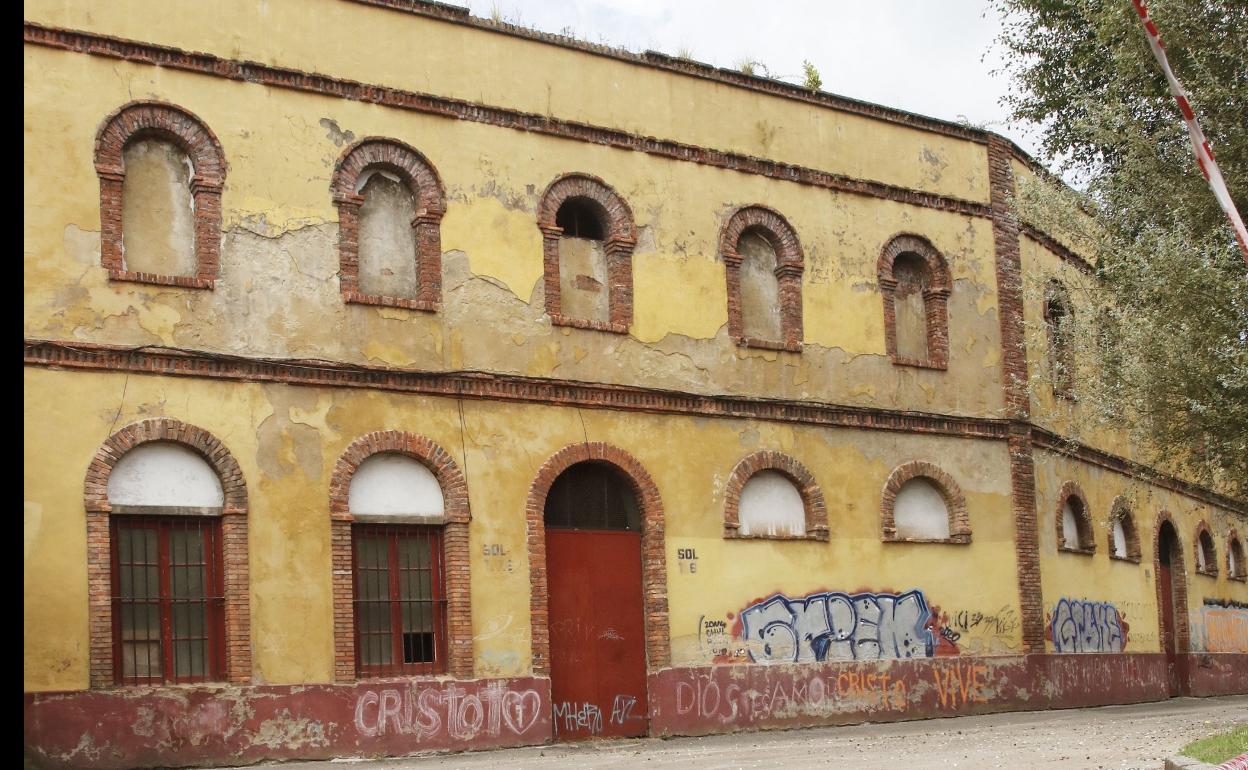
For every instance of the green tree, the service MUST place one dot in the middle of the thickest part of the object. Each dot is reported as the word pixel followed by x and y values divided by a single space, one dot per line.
pixel 1163 323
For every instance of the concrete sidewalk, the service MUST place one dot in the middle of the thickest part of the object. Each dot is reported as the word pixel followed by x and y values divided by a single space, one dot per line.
pixel 1111 737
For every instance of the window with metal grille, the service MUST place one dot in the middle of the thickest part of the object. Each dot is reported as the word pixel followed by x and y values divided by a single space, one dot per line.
pixel 168 605
pixel 400 600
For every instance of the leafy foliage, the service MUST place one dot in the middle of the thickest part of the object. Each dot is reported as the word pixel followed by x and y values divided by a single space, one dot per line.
pixel 1161 327
pixel 810 76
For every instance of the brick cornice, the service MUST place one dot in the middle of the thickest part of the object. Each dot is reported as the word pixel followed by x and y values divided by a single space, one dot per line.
pixel 497 387
pixel 458 109
pixel 1048 440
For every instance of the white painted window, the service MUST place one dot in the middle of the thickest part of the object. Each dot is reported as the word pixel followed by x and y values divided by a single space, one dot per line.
pixel 1120 539
pixel 394 484
pixel 1070 526
pixel 164 473
pixel 919 511
pixel 771 506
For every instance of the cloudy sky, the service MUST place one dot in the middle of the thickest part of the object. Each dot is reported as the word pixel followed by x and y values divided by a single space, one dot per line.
pixel 933 57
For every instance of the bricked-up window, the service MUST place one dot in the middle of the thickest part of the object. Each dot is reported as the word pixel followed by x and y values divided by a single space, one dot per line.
pixel 771 495
pixel 1124 540
pixel 588 236
pixel 1206 553
pixel 593 495
pixel 921 503
pixel 400 600
pixel 763 265
pixel 1236 568
pixel 1058 319
pixel 168 599
pixel 390 205
pixel 161 175
pixel 1074 524
pixel 914 281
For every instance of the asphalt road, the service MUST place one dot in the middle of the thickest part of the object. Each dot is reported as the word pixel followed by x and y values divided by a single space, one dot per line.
pixel 1117 737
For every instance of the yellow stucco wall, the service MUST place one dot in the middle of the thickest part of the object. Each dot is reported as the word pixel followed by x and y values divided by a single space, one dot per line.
pixel 374 45
pixel 1131 588
pixel 278 292
pixel 286 440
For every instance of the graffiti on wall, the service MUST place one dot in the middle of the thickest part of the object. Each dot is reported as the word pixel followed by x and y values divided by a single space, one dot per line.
pixel 839 626
pixel 1082 625
pixel 1222 626
pixel 447 710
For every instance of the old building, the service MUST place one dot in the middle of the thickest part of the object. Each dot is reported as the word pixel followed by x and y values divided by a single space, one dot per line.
pixel 399 380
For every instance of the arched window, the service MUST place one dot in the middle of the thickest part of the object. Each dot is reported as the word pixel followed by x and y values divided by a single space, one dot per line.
pixel 1059 320
pixel 1236 568
pixel 772 495
pixel 588 238
pixel 390 206
pixel 1124 541
pixel 1206 553
pixel 763 265
pixel 1074 523
pixel 167 536
pixel 914 281
pixel 923 504
pixel 161 174
pixel 592 495
pixel 399 510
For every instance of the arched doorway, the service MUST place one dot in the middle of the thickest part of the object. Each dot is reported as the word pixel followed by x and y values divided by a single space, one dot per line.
pixel 593 529
pixel 1172 603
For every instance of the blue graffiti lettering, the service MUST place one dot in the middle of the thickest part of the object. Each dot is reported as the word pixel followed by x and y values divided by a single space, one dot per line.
pixel 1079 625
pixel 838 626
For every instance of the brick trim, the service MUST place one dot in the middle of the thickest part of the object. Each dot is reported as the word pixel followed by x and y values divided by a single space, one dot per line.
pixel 1083 520
pixel 935 299
pixel 653 554
pixel 789 267
pixel 812 497
pixel 172 123
pixel 455 553
pixel 955 502
pixel 235 567
pixel 157 361
pixel 1178 578
pixel 423 181
pixel 1235 545
pixel 1121 510
pixel 1211 553
pixel 1050 243
pixel 620 240
pixel 311 82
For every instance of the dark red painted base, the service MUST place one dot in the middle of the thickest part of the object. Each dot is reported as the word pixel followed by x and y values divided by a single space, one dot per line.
pixel 179 726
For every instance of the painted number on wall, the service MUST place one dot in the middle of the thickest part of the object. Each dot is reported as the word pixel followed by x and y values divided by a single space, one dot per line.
pixel 687 558
pixel 497 557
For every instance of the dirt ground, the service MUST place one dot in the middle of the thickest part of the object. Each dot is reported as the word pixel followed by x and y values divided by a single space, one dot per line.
pixel 1111 737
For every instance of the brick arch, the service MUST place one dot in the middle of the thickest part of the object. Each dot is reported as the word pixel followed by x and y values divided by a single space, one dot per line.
pixel 1211 560
pixel 140 119
pixel 955 501
pixel 935 299
pixel 812 497
pixel 422 179
pixel 1178 577
pixel 621 239
pixel 789 267
pixel 1121 510
pixel 235 567
pixel 1236 546
pixel 455 554
pixel 654 560
pixel 1083 520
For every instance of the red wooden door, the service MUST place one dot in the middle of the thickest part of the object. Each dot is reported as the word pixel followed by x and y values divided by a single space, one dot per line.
pixel 597 633
pixel 1169 637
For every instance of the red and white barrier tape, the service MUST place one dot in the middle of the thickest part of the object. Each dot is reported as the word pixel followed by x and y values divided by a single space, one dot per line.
pixel 1204 154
